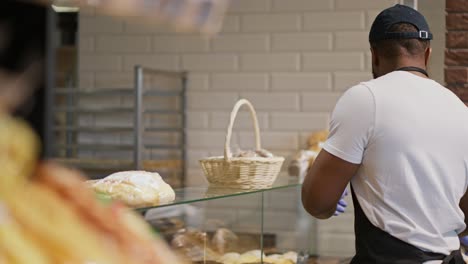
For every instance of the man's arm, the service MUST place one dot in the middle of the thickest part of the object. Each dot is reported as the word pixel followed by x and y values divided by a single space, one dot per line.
pixel 351 126
pixel 325 183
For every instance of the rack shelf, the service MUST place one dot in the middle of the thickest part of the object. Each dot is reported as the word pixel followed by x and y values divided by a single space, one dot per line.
pixel 147 120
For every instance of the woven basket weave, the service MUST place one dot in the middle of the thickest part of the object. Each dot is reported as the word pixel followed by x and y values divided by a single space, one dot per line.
pixel 241 172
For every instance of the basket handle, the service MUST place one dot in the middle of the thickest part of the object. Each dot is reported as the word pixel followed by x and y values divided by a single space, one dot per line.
pixel 235 110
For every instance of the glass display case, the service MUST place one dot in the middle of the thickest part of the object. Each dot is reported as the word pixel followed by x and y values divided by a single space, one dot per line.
pixel 221 225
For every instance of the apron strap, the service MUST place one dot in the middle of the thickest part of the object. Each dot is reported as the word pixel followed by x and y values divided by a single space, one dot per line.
pixel 455 257
pixel 375 246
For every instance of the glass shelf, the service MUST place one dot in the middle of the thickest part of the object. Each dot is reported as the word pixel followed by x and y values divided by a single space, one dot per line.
pixel 204 193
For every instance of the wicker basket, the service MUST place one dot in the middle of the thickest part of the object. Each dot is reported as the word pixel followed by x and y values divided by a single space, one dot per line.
pixel 241 172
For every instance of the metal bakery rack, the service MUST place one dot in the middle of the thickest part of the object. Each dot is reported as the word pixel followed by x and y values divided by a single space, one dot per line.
pixel 103 130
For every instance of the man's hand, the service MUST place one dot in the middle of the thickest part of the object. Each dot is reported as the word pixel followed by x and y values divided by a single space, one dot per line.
pixel 342 204
pixel 464 241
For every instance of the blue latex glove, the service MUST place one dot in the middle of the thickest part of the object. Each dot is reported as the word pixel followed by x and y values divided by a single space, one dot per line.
pixel 464 241
pixel 342 204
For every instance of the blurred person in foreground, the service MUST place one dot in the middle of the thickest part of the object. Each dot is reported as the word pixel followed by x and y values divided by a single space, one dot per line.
pixel 401 141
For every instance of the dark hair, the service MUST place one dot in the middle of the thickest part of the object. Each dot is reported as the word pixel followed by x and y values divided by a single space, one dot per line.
pixel 393 48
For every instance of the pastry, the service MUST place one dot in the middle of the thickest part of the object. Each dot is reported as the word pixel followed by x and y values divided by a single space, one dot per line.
pixel 135 188
pixel 262 153
pixel 290 255
pixel 229 258
pixel 194 245
pixel 253 256
pixel 224 240
pixel 304 159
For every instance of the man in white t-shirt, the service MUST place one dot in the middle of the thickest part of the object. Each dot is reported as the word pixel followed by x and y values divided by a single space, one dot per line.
pixel 401 140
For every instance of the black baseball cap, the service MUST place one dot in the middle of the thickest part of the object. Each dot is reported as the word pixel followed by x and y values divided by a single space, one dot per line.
pixel 395 15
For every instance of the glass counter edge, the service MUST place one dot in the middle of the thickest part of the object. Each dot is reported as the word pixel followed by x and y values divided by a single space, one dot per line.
pixel 214 197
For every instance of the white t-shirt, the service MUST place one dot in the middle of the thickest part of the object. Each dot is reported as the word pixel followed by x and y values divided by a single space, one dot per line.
pixel 410 135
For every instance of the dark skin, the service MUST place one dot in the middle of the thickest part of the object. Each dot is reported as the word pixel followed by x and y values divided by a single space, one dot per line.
pixel 329 175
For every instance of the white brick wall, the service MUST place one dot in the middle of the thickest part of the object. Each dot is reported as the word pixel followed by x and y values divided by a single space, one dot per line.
pixel 301 41
pixel 240 43
pixel 270 22
pixel 270 62
pixel 239 82
pixel 209 62
pixel 332 21
pixel 123 44
pixel 180 44
pixel 291 58
pixel 302 5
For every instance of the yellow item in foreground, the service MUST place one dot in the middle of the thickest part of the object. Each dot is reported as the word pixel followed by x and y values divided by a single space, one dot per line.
pixel 48 215
pixel 18 153
pixel 56 228
pixel 15 245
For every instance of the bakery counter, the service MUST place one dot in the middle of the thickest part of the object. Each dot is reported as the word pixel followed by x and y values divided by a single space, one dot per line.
pixel 234 226
pixel 207 224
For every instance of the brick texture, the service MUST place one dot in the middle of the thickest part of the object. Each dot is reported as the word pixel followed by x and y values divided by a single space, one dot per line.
pixel 220 120
pixel 457 21
pixel 123 44
pixel 360 4
pixel 333 61
pixel 301 82
pixel 302 5
pixel 457 39
pixel 301 41
pixel 165 62
pixel 456 57
pixel 456 5
pixel 209 62
pixel 231 24
pixel 248 6
pixel 454 76
pixel 344 80
pixel 327 21
pixel 271 23
pixel 273 101
pixel 352 40
pixel 456 54
pixel 180 44
pixel 239 81
pixel 239 43
pixel 270 62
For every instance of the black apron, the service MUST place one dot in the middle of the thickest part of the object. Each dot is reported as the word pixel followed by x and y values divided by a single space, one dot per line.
pixel 375 246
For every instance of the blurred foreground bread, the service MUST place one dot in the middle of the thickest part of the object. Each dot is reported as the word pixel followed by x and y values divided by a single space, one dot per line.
pixel 18 153
pixel 48 215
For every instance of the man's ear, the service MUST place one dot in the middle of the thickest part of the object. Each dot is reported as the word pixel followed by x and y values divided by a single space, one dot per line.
pixel 427 55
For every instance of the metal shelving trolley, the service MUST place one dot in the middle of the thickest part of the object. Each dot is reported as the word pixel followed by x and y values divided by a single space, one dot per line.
pixel 101 131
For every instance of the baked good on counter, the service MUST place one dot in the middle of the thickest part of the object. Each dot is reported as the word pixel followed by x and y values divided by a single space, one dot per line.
pixel 254 256
pixel 229 258
pixel 224 240
pixel 302 160
pixel 135 188
pixel 194 245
